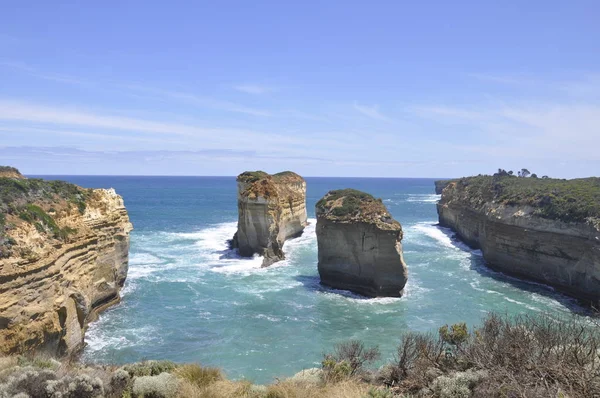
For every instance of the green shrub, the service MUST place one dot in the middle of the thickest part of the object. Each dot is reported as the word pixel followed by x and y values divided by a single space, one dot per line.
pixel 28 381
pixel 163 385
pixel 81 386
pixel 149 368
pixel 567 200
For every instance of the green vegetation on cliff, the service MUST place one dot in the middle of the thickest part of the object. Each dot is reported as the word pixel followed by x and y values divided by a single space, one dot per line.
pixel 567 200
pixel 33 201
pixel 346 202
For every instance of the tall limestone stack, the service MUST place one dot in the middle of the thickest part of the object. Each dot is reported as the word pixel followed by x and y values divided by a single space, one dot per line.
pixel 271 210
pixel 359 245
pixel 63 258
pixel 543 229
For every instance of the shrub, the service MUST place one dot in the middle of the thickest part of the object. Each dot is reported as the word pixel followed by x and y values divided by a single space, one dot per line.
pixel 199 376
pixel 149 368
pixel 28 381
pixel 164 385
pixel 82 386
pixel 458 385
pixel 119 382
pixel 355 354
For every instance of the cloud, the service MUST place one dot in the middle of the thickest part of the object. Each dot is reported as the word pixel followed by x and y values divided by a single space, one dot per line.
pixel 372 112
pixel 44 75
pixel 253 89
pixel 199 101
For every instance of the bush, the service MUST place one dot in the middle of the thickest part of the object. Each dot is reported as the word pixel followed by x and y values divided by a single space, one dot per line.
pixel 355 354
pixel 82 386
pixel 28 381
pixel 149 368
pixel 164 385
pixel 199 376
pixel 119 382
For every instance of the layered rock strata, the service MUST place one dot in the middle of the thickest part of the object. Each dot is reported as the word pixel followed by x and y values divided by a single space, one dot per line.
pixel 271 210
pixel 359 245
pixel 543 230
pixel 63 258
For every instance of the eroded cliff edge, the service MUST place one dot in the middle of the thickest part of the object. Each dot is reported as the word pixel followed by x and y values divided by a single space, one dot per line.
pixel 63 258
pixel 359 245
pixel 546 230
pixel 271 210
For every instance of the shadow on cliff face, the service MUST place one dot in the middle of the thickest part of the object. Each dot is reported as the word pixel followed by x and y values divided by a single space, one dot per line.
pixel 479 265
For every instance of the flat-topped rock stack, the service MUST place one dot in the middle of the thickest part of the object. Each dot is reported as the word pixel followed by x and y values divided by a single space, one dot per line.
pixel 359 245
pixel 271 210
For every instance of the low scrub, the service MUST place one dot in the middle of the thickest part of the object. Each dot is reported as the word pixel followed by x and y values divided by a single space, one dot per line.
pixel 522 356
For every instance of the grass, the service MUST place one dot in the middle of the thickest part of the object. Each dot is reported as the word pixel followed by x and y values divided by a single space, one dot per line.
pixel 566 200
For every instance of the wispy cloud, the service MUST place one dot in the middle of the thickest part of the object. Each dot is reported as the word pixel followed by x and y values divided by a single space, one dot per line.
pixel 44 75
pixel 253 88
pixel 371 111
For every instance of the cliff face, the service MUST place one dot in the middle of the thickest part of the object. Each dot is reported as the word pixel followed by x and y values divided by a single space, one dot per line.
pixel 271 209
pixel 63 258
pixel 359 245
pixel 552 238
pixel 440 185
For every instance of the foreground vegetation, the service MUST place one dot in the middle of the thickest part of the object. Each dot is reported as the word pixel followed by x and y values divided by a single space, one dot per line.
pixel 521 356
pixel 573 200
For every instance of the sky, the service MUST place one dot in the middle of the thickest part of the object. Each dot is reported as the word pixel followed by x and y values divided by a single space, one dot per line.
pixel 323 88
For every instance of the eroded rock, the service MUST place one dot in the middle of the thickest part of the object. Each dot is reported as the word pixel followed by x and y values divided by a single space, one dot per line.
pixel 271 210
pixel 359 245
pixel 63 258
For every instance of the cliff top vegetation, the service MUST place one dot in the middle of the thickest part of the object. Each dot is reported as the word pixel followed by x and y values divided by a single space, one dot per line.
pixel 36 201
pixel 267 185
pixel 575 200
pixel 354 205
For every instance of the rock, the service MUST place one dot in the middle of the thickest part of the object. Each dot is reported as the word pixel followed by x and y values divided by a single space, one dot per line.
pixel 440 185
pixel 521 231
pixel 63 258
pixel 359 245
pixel 271 210
pixel 11 172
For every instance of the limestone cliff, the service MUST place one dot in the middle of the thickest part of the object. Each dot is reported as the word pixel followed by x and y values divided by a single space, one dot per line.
pixel 440 185
pixel 271 209
pixel 546 230
pixel 359 245
pixel 63 258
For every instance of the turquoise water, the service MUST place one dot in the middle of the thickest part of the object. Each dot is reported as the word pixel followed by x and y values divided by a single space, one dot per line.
pixel 188 298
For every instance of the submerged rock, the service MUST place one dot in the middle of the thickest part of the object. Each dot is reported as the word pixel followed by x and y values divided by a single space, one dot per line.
pixel 271 210
pixel 359 245
pixel 63 258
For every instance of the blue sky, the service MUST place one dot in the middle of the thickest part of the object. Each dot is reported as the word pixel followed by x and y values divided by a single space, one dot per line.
pixel 324 88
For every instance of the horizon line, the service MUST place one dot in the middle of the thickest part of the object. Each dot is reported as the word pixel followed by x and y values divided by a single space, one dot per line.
pixel 218 176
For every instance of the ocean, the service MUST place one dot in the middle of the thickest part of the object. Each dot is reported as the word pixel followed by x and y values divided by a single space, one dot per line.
pixel 189 299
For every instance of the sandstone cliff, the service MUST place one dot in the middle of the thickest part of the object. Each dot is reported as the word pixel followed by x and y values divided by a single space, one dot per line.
pixel 359 245
pixel 63 258
pixel 271 209
pixel 541 229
